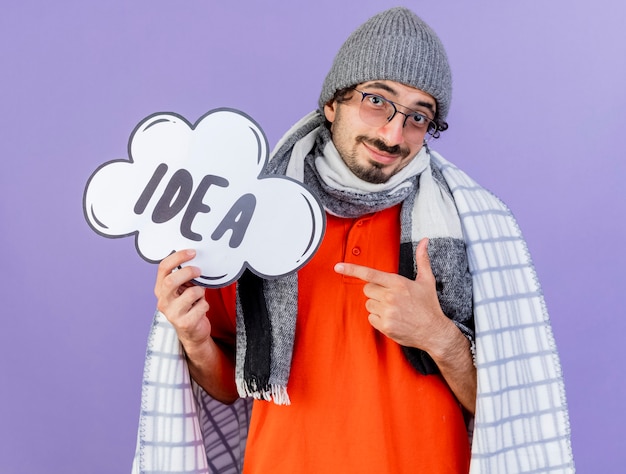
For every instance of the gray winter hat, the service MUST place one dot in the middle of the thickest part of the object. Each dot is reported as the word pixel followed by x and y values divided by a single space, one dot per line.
pixel 393 45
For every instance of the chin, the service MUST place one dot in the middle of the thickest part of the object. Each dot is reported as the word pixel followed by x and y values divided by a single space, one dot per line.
pixel 372 174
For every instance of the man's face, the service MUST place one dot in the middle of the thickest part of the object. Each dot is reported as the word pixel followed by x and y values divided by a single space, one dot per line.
pixel 376 153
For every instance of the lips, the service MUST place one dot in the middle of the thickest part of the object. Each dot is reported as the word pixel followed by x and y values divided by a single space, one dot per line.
pixel 380 156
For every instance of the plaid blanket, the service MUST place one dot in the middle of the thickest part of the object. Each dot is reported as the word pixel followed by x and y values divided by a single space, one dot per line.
pixel 521 422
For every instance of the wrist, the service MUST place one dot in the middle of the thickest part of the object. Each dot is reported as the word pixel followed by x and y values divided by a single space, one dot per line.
pixel 199 350
pixel 449 343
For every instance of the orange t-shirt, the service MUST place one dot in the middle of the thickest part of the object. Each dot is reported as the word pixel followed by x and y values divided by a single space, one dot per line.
pixel 357 406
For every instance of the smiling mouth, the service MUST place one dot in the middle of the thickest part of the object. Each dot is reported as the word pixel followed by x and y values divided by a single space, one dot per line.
pixel 381 157
pixel 380 152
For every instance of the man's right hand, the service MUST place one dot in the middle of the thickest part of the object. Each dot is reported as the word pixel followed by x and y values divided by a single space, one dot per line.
pixel 185 307
pixel 182 302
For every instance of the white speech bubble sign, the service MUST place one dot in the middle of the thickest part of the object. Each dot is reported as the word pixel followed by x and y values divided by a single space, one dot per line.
pixel 202 186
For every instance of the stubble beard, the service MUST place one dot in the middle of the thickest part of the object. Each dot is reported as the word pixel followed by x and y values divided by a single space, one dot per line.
pixel 374 172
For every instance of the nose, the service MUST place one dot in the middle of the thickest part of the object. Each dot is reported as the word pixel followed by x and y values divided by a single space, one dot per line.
pixel 393 131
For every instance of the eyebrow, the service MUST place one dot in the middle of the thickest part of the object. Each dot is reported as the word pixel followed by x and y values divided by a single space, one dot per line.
pixel 381 85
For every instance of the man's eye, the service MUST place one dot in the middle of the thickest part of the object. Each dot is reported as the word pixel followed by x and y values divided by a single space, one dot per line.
pixel 376 100
pixel 418 119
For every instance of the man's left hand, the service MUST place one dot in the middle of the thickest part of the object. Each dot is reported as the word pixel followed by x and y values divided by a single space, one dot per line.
pixel 407 311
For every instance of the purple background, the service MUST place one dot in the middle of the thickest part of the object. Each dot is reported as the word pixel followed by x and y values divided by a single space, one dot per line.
pixel 538 116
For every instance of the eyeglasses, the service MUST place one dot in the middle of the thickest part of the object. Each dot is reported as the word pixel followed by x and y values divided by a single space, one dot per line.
pixel 376 111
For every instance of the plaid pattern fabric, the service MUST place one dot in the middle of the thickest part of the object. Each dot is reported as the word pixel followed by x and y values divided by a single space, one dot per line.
pixel 181 428
pixel 521 422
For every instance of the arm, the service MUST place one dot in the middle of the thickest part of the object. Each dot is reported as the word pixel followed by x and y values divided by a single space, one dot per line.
pixel 454 359
pixel 184 305
pixel 408 312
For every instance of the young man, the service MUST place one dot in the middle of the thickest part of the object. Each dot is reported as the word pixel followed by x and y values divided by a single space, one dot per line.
pixel 363 361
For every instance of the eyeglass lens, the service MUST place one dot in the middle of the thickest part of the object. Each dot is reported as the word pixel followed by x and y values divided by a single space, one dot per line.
pixel 375 110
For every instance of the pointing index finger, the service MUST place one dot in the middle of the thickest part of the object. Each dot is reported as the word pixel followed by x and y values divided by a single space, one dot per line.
pixel 366 274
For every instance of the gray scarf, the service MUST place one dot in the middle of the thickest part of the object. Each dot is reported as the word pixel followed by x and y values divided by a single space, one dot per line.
pixel 267 309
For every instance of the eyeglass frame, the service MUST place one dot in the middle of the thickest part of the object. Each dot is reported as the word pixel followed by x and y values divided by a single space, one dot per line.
pixel 432 128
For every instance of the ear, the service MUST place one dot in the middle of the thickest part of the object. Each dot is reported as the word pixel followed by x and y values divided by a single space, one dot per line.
pixel 330 110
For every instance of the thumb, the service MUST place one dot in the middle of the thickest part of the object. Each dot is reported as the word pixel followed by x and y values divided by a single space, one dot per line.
pixel 422 261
